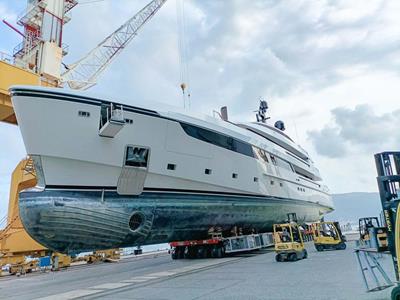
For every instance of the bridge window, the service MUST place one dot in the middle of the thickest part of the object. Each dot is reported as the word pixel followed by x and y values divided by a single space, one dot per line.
pixel 218 139
pixel 283 164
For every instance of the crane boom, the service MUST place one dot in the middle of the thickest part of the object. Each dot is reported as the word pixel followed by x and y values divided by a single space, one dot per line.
pixel 84 73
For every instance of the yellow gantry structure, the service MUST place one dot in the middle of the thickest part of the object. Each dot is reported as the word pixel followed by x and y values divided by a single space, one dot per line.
pixel 15 243
pixel 12 75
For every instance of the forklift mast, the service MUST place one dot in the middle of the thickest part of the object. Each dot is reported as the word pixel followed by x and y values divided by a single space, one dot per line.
pixel 339 230
pixel 388 169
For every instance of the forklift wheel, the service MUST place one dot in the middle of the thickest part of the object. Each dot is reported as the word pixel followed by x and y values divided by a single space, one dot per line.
pixel 396 293
pixel 292 257
pixel 342 246
pixel 279 257
pixel 319 247
pixel 305 254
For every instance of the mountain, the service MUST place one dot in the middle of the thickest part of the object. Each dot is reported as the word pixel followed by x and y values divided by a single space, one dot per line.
pixel 350 207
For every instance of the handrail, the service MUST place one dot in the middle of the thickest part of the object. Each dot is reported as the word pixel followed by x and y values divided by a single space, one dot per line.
pixel 6 57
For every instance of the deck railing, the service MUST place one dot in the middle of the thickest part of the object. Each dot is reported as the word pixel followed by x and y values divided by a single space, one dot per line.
pixel 6 58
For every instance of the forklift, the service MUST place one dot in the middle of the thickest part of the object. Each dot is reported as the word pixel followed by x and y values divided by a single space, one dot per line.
pixel 372 235
pixel 328 236
pixel 388 169
pixel 288 240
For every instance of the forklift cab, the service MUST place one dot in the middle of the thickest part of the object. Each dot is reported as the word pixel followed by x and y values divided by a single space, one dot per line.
pixel 372 235
pixel 327 235
pixel 289 245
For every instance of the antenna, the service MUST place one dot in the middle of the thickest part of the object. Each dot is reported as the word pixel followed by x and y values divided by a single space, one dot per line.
pixel 262 110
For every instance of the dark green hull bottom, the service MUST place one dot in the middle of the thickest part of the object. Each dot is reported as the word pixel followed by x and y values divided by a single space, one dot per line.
pixel 76 221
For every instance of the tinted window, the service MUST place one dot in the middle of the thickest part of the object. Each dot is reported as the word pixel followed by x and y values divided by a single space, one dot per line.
pixel 218 139
pixel 303 174
pixel 283 164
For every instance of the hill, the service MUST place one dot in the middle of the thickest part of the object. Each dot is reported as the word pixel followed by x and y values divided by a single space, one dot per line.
pixel 350 207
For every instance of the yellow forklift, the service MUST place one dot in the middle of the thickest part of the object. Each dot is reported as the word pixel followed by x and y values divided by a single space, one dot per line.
pixel 328 236
pixel 288 240
pixel 372 235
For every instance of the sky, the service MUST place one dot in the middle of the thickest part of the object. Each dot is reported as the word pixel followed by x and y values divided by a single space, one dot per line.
pixel 329 69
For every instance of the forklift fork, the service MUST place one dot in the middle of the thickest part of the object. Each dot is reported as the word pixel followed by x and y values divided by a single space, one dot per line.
pixel 370 270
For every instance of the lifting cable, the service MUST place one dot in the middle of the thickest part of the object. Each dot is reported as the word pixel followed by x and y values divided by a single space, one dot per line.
pixel 183 52
pixel 3 221
pixel 90 1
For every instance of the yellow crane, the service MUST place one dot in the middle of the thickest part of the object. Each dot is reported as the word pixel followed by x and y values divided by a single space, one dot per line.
pixel 37 61
pixel 10 75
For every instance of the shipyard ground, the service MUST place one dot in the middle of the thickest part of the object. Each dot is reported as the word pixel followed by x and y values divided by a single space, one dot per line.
pixel 324 275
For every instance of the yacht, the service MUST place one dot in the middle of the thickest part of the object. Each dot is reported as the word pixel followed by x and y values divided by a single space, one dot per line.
pixel 112 174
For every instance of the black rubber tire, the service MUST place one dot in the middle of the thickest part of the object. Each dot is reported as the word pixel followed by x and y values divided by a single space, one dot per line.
pixel 278 257
pixel 319 248
pixel 186 252
pixel 305 254
pixel 180 251
pixel 292 257
pixel 208 252
pixel 395 295
pixel 174 254
pixel 216 252
pixel 201 252
pixel 342 246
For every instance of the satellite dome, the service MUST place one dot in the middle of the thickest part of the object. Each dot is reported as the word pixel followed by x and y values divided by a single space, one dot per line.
pixel 280 125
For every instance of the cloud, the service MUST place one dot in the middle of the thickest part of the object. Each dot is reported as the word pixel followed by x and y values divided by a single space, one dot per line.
pixel 238 52
pixel 358 130
pixel 328 142
pixel 307 58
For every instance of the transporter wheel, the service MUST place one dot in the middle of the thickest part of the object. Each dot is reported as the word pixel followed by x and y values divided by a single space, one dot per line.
pixel 190 252
pixel 395 295
pixel 305 254
pixel 201 252
pixel 217 252
pixel 180 251
pixel 279 257
pixel 292 257
pixel 319 248
pixel 174 253
pixel 208 251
